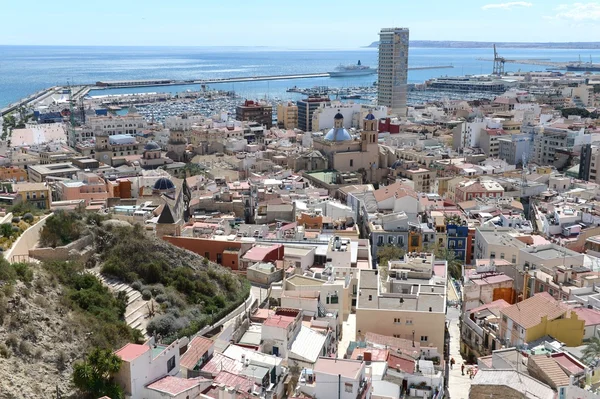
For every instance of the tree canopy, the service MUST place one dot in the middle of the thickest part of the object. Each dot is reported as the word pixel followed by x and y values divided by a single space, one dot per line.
pixel 94 376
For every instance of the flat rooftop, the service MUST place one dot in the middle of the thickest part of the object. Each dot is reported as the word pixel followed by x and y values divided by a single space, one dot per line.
pixel 426 298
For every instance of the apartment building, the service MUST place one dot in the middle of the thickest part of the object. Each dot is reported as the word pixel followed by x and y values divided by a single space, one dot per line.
pixel 306 108
pixel 497 243
pixel 255 111
pixel 538 316
pixel 287 115
pixel 548 140
pixel 393 69
pixel 406 301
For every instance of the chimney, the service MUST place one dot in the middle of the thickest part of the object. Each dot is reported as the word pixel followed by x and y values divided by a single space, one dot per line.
pixel 367 356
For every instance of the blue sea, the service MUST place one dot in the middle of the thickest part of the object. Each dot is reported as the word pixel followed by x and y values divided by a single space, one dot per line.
pixel 27 69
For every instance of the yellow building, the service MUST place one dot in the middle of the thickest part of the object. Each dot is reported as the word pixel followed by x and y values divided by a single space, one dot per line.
pixel 538 316
pixel 37 194
pixel 287 115
pixel 407 301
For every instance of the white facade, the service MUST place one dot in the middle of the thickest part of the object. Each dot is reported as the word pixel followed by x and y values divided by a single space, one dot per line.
pixel 339 382
pixel 147 368
pixel 323 117
pixel 393 69
pixel 183 122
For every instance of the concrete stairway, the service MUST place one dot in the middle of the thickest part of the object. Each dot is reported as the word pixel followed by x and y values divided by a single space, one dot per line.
pixel 137 308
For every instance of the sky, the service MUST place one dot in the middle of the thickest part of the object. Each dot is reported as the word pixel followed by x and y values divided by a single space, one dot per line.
pixel 308 24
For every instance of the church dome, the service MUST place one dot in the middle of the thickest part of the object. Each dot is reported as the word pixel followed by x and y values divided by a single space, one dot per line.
pixel 370 117
pixel 163 184
pixel 338 116
pixel 338 134
pixel 151 146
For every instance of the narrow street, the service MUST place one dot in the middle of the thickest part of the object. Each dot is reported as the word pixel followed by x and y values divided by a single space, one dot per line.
pixel 458 384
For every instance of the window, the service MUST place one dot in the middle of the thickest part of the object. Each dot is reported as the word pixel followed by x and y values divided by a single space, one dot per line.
pixel 541 287
pixel 370 297
pixel 424 338
pixel 351 164
pixel 380 240
pixel 514 259
pixel 408 321
pixel 492 255
pixel 170 364
pixel 390 239
pixel 502 255
pixel 397 321
pixel 348 387
pixel 334 299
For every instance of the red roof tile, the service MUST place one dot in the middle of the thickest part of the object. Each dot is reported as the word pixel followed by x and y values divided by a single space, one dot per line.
pixel 131 352
pixel 401 362
pixel 196 349
pixel 234 380
pixel 175 385
pixel 590 316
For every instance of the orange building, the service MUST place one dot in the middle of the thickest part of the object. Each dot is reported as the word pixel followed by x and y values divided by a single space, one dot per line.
pixel 13 173
pixel 225 253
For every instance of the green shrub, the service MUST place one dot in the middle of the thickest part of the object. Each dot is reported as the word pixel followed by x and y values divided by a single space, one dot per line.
pixel 60 229
pixel 28 217
pixel 25 348
pixel 146 295
pixel 137 285
pixel 24 272
pixel 12 341
pixel 4 351
pixel 16 220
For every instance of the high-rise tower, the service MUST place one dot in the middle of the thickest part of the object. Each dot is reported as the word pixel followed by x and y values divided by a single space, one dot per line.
pixel 393 69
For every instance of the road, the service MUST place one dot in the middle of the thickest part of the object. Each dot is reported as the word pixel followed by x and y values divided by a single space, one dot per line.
pixel 458 384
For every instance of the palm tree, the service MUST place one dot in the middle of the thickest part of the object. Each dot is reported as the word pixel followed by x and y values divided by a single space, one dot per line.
pixel 454 264
pixel 94 376
pixel 592 350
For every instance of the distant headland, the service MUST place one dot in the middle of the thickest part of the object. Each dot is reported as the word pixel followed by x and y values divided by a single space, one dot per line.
pixel 460 44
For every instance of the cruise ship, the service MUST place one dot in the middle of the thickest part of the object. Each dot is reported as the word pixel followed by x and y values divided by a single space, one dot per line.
pixel 352 70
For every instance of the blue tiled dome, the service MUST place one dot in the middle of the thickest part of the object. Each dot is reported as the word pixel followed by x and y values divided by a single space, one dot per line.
pixel 163 184
pixel 338 116
pixel 151 146
pixel 370 117
pixel 338 134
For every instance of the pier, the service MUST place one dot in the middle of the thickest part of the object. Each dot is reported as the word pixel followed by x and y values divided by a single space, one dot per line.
pixel 532 61
pixel 83 89
pixel 173 82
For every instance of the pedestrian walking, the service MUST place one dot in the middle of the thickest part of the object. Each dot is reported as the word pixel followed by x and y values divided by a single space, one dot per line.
pixel 452 361
pixel 462 369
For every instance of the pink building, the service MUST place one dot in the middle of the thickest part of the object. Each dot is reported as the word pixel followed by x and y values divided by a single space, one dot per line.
pixel 88 187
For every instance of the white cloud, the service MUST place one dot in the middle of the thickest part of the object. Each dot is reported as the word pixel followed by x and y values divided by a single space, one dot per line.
pixel 577 12
pixel 506 6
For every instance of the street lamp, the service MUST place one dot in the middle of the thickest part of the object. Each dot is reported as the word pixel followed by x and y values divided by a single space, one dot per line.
pixel 413 342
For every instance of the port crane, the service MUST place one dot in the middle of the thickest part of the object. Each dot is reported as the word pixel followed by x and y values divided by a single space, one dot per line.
pixel 498 64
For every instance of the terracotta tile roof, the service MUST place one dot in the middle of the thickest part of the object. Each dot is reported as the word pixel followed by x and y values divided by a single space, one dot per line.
pixel 402 362
pixel 554 373
pixel 196 348
pixel 568 364
pixel 397 189
pixel 237 381
pixel 131 352
pixel 377 355
pixel 401 344
pixel 497 304
pixel 220 362
pixel 590 316
pixel 529 312
pixel 175 385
